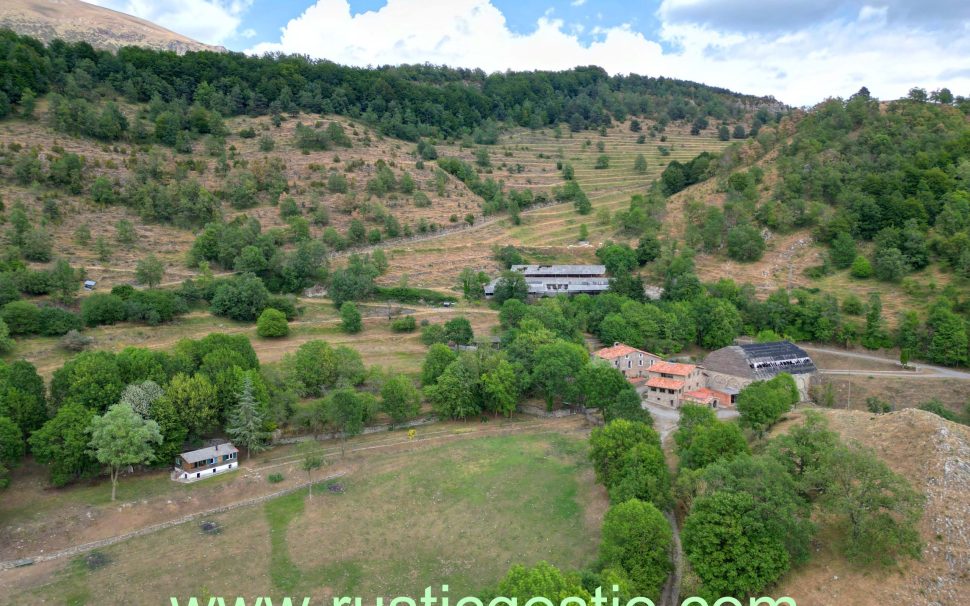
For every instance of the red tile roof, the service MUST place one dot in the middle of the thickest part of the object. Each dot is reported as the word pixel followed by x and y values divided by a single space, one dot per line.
pixel 620 349
pixel 672 368
pixel 701 395
pixel 665 383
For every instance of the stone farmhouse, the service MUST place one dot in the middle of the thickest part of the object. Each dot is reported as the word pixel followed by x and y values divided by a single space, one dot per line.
pixel 552 280
pixel 632 362
pixel 717 381
pixel 670 382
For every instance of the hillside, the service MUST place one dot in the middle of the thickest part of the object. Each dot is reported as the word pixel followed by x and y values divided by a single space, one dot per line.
pixel 932 454
pixel 269 152
pixel 103 28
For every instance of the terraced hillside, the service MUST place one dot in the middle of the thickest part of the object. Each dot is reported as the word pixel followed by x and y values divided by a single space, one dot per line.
pixel 550 233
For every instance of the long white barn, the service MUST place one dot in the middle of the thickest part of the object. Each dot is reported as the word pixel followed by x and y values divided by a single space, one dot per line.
pixel 552 280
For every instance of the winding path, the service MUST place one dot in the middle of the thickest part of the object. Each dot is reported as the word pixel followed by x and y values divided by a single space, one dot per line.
pixel 921 371
pixel 671 591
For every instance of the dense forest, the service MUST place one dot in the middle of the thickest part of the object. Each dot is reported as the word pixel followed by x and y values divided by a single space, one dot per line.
pixel 405 101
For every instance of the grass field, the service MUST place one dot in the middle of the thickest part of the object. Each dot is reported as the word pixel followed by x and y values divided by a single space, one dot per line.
pixel 458 513
pixel 378 346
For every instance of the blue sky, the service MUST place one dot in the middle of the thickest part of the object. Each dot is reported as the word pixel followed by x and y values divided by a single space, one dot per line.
pixel 266 18
pixel 800 51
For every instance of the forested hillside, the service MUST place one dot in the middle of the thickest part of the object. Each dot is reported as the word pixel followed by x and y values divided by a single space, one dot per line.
pixel 405 102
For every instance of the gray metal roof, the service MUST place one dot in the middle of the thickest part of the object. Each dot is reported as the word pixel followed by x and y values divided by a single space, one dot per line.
pixel 555 286
pixel 760 361
pixel 209 452
pixel 560 270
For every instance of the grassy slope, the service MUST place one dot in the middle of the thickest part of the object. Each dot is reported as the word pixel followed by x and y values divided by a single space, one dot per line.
pixel 549 234
pixel 459 514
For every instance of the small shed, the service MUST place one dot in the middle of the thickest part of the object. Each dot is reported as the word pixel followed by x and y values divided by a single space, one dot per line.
pixel 89 284
pixel 206 462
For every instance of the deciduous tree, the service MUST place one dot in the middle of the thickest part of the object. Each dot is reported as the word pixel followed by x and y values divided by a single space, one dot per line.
pixel 121 437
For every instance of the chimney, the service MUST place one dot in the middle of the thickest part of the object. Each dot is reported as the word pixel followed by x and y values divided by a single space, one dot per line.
pixel 217 447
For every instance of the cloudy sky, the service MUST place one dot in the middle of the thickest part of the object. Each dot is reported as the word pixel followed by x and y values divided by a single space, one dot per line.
pixel 800 51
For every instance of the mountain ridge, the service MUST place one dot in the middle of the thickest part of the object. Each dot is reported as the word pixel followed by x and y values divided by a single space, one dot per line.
pixel 103 28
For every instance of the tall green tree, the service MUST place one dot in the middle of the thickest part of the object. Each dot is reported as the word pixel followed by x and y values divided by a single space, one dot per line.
pixel 438 358
pixel 141 396
pixel 711 443
pixel 247 421
pixel 400 399
pixel 121 437
pixel 150 271
pixel 608 445
pixel 11 447
pixel 637 538
pixel 62 444
pixel 347 410
pixel 642 475
pixel 310 461
pixel 350 319
pixel 880 509
pixel 454 394
pixel 500 388
pixel 557 366
pixel 729 546
pixel 762 403
pixel 876 334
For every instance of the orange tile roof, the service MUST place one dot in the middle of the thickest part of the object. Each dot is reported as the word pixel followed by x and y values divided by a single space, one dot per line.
pixel 701 395
pixel 672 368
pixel 608 353
pixel 665 383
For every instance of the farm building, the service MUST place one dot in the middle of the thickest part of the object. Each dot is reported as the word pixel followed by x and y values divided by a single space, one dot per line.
pixel 736 366
pixel 205 462
pixel 552 280
pixel 668 382
pixel 632 362
pixel 713 398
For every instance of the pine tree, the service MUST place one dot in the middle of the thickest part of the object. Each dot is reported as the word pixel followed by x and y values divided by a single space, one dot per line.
pixel 875 335
pixel 247 424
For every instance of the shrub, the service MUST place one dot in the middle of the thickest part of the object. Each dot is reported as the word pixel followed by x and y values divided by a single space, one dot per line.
pixel 241 298
pixel 75 341
pixel 272 324
pixel 403 324
pixel 55 321
pixel 274 478
pixel 745 243
pixel 350 319
pixel 285 304
pixel 154 306
pixel 98 309
pixel 22 317
pixel 433 333
pixel 861 268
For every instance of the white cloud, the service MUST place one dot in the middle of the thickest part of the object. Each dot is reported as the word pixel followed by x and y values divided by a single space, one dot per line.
pixel 800 66
pixel 577 2
pixel 208 21
pixel 464 33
